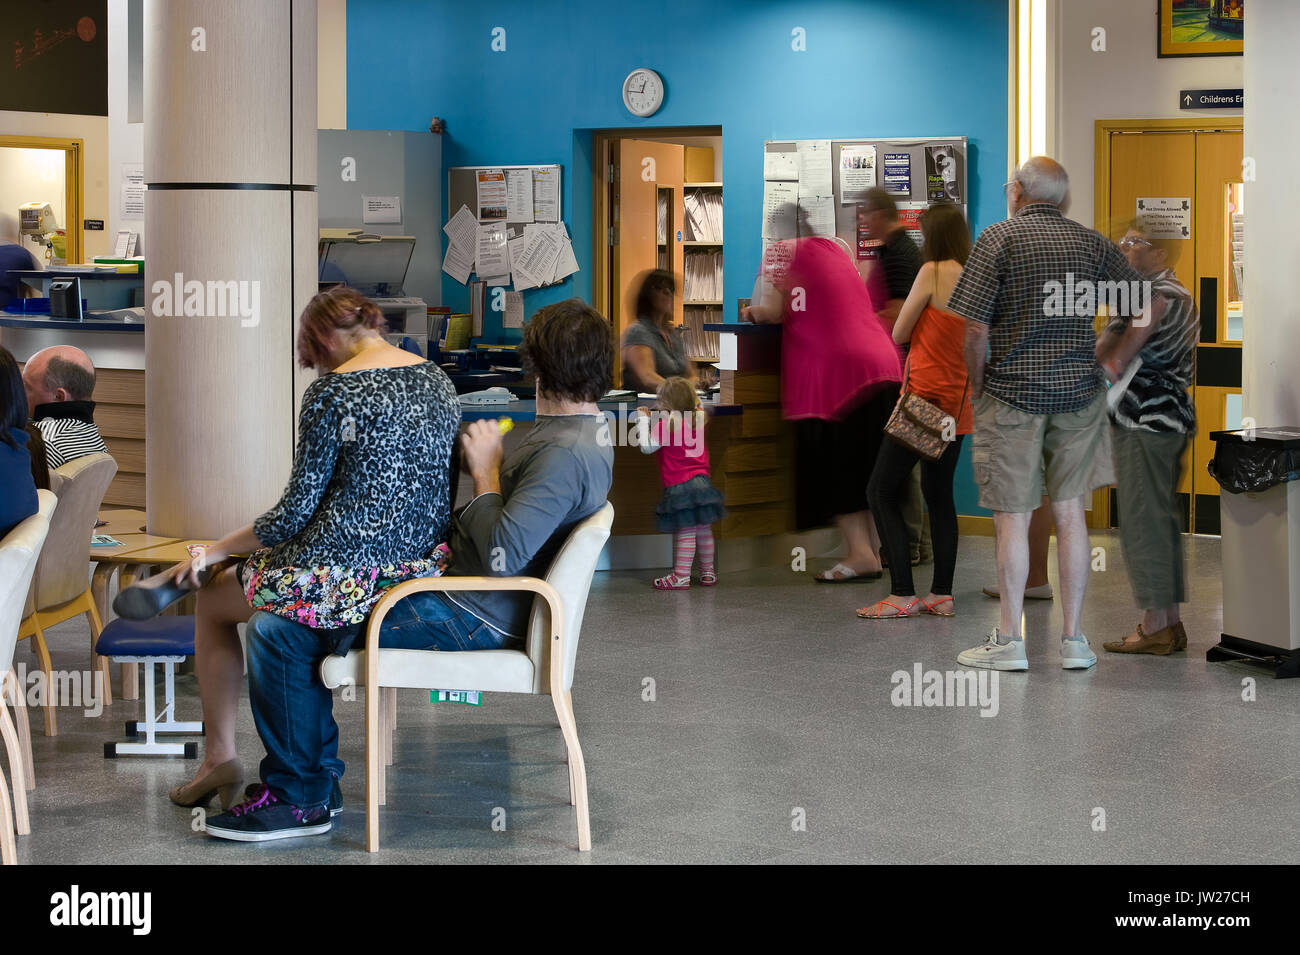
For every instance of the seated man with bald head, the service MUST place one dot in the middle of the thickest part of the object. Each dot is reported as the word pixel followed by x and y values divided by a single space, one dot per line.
pixel 60 381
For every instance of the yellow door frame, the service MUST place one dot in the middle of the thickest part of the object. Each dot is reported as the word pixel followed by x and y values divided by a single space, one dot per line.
pixel 1102 131
pixel 74 183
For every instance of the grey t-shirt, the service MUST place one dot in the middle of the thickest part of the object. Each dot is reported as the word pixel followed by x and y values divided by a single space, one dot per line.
pixel 670 356
pixel 559 476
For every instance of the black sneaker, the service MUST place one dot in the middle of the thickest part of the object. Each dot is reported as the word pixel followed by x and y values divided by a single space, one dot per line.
pixel 264 817
pixel 335 804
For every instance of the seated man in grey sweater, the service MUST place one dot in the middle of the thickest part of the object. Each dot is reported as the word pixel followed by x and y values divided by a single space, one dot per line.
pixel 523 509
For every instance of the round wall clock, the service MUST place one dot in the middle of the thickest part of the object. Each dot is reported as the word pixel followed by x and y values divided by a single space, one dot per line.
pixel 643 92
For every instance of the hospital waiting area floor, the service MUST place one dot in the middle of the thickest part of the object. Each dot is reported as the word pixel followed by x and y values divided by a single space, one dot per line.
pixel 756 722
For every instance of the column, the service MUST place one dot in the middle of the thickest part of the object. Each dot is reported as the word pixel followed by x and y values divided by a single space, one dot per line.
pixel 230 163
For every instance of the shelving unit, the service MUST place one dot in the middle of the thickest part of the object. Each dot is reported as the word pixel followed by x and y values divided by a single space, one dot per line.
pixel 701 345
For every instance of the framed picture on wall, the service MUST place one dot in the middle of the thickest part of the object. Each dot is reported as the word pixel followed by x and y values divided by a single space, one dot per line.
pixel 1200 27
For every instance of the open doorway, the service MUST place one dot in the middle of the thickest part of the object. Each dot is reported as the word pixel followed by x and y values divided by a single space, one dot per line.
pixel 657 204
pixel 41 170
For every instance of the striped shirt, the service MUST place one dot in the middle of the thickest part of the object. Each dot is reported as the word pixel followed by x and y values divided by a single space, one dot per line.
pixel 67 439
pixel 1158 397
pixel 1034 279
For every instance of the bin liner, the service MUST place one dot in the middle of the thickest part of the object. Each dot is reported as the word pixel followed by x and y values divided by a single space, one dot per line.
pixel 1268 458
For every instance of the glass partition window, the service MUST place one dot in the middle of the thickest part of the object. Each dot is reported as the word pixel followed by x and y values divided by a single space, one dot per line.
pixel 1235 260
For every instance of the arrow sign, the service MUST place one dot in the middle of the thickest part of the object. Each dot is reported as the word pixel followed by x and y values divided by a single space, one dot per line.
pixel 1210 99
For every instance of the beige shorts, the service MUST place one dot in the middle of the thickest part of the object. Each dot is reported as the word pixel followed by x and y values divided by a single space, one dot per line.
pixel 1017 456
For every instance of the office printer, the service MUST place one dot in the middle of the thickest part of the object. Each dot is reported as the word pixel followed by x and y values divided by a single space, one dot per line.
pixel 375 265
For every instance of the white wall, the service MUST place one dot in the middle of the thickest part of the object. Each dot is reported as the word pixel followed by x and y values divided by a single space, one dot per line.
pixel 28 175
pixel 1127 81
pixel 125 140
pixel 1272 138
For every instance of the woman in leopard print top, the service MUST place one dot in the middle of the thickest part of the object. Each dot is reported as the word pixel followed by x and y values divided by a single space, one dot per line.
pixel 367 506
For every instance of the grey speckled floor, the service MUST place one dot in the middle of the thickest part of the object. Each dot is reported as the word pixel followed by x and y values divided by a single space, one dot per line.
pixel 772 706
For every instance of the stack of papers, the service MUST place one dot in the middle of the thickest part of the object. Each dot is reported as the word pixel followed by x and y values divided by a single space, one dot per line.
pixel 462 230
pixel 539 254
pixel 703 216
pixel 542 255
pixel 661 231
pixel 699 343
pixel 703 276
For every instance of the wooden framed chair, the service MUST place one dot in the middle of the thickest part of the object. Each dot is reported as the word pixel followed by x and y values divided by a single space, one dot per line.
pixel 61 585
pixel 544 667
pixel 19 552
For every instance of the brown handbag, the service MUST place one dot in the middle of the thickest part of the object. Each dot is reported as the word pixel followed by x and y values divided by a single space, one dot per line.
pixel 918 424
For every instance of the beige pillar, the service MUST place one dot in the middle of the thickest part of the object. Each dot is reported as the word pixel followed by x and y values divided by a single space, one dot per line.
pixel 230 161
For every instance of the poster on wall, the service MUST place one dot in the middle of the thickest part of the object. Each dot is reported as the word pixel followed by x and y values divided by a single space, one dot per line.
pixel 898 174
pixel 779 210
pixel 55 57
pixel 1165 217
pixel 941 174
pixel 857 172
pixel 1201 28
pixel 909 214
pixel 492 195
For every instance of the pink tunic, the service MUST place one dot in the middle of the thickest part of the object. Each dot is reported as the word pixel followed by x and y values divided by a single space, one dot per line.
pixel 835 351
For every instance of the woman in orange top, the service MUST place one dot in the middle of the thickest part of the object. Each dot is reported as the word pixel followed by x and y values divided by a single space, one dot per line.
pixel 936 371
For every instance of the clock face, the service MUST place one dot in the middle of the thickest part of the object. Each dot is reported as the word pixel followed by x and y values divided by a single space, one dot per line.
pixel 643 92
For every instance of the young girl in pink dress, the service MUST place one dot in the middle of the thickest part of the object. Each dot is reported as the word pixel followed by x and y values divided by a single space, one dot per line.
pixel 690 503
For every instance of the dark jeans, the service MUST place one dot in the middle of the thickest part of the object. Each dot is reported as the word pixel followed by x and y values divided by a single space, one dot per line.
pixel 293 709
pixel 887 493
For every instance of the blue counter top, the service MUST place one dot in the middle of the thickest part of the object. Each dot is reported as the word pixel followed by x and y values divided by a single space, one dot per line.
pixel 93 322
pixel 527 410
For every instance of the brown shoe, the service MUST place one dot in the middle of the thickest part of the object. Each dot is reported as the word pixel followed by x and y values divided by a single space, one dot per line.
pixel 223 781
pixel 1160 643
pixel 1180 636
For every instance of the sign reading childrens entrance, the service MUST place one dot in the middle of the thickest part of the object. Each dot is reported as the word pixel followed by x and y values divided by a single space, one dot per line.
pixel 1162 217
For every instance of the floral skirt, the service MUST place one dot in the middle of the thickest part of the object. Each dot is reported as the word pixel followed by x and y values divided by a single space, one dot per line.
pixel 329 596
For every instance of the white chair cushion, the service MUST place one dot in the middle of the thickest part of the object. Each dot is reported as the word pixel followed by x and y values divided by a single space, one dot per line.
pixel 492 671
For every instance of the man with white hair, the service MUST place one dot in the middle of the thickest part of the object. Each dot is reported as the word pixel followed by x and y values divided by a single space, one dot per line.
pixel 1029 294
pixel 60 381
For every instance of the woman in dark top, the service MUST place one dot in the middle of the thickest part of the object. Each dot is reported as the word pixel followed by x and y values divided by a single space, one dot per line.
pixel 368 502
pixel 653 348
pixel 17 487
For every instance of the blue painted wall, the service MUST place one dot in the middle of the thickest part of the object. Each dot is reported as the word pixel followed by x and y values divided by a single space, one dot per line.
pixel 870 68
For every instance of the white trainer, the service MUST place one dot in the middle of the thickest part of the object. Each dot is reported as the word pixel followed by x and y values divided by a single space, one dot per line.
pixel 991 655
pixel 1076 654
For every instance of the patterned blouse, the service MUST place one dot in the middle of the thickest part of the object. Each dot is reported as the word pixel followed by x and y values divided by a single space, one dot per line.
pixel 368 500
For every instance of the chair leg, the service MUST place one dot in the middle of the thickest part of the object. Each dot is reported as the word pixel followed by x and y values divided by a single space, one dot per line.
pixel 389 701
pixel 10 736
pixel 99 582
pixel 17 697
pixel 573 783
pixel 8 849
pixel 374 757
pixel 96 661
pixel 47 667
pixel 130 671
pixel 382 744
pixel 577 768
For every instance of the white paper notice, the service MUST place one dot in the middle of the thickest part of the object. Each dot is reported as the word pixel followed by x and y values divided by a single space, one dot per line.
pixel 458 263
pixel 1165 218
pixel 566 263
pixel 540 250
pixel 522 279
pixel 462 228
pixel 781 162
pixel 546 195
pixel 519 195
pixel 381 209
pixel 492 194
pixel 514 315
pixel 779 201
pixel 132 198
pixel 857 172
pixel 817 215
pixel 815 167
pixel 493 257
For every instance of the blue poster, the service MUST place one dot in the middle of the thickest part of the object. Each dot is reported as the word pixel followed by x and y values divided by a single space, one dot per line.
pixel 898 174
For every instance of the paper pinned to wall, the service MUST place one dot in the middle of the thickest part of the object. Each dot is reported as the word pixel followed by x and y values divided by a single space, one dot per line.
pixel 546 194
pixel 857 172
pixel 132 197
pixel 566 263
pixel 816 215
pixel 381 209
pixel 522 279
pixel 458 263
pixel 493 257
pixel 537 255
pixel 514 314
pixel 462 228
pixel 779 210
pixel 519 195
pixel 815 177
pixel 781 162
pixel 491 194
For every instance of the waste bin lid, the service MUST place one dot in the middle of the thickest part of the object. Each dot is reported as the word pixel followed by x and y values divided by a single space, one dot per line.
pixel 1282 437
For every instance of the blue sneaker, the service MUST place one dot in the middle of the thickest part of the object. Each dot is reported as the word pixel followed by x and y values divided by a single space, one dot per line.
pixel 263 817
pixel 335 804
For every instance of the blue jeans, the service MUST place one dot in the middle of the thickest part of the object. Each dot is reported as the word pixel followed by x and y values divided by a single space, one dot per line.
pixel 293 709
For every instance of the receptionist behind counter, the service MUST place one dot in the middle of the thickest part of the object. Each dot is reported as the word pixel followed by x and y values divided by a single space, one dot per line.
pixel 653 348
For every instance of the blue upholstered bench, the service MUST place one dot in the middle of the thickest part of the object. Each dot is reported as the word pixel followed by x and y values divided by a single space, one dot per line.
pixel 165 641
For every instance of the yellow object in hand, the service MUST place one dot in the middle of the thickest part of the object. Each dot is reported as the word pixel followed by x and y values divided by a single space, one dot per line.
pixel 506 425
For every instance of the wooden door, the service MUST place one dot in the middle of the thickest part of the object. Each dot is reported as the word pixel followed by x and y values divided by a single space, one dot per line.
pixel 1198 165
pixel 641 170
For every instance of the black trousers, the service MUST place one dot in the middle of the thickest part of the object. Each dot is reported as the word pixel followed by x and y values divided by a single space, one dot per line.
pixel 887 492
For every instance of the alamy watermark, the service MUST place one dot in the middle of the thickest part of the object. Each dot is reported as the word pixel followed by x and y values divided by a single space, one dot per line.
pixel 63 688
pixel 1083 297
pixel 190 298
pixel 924 688
pixel 666 428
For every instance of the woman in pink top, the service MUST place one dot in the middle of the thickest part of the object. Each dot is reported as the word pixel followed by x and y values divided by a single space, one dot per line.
pixel 839 382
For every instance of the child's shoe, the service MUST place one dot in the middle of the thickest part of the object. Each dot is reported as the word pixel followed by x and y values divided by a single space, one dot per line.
pixel 673 582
